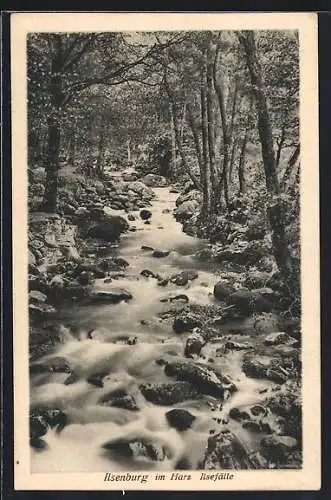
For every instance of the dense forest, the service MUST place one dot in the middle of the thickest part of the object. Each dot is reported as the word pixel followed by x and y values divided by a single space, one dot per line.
pixel 212 115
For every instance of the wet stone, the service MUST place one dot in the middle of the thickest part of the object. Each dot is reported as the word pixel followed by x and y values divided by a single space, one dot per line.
pixel 113 296
pixel 38 427
pixel 38 444
pixel 147 273
pixel 236 346
pixel 145 214
pixel 138 448
pixel 194 343
pixel 275 448
pixel 225 451
pixel 204 378
pixel 278 338
pixel 169 393
pixel 97 379
pixel 186 322
pixel 239 415
pixel 160 253
pixel 180 419
pixel 120 399
pixel 182 279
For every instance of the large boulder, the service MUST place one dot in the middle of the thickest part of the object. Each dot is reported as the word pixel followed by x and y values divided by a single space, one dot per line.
pixel 180 419
pixel 38 427
pixel 276 448
pixel 154 180
pixel 56 364
pixel 225 451
pixel 138 448
pixel 96 379
pixel 31 258
pixel 258 419
pixel 113 296
pixel 222 290
pixel 186 322
pixel 160 253
pixel 145 214
pixel 205 379
pixel 120 400
pixel 243 252
pixel 193 195
pixel 186 210
pixel 278 338
pixel 169 393
pixel 265 367
pixel 182 278
pixel 288 405
pixel 130 174
pixel 252 301
pixel 108 229
pixel 41 419
pixel 194 343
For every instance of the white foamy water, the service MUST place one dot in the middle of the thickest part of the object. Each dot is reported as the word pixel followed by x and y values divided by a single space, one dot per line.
pixel 78 448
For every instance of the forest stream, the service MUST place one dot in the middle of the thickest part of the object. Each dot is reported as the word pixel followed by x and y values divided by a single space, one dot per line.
pixel 97 346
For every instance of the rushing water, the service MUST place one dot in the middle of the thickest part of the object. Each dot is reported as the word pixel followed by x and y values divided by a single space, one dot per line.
pixel 78 447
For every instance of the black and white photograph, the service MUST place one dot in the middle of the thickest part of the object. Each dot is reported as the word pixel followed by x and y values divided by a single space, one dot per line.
pixel 164 275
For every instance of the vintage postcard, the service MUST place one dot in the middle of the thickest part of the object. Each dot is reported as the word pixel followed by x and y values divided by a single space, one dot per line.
pixel 166 251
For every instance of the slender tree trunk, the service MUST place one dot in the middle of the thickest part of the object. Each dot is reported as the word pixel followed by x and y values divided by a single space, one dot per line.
pixel 290 166
pixel 232 139
pixel 185 164
pixel 211 130
pixel 276 209
pixel 54 132
pixel 101 151
pixel 206 208
pixel 52 167
pixel 280 146
pixel 264 124
pixel 232 159
pixel 242 158
pixel 182 122
pixel 173 142
pixel 128 146
pixel 241 165
pixel 220 96
pixel 196 138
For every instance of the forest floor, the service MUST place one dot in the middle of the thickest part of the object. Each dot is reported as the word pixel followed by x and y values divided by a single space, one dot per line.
pixel 174 344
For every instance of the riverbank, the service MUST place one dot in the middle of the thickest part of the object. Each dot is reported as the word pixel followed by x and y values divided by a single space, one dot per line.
pixel 147 352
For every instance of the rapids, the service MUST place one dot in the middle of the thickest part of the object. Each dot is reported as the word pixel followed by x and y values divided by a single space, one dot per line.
pixel 78 447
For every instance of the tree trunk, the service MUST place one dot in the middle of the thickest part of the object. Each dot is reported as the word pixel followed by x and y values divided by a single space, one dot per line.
pixel 101 150
pixel 264 124
pixel 196 139
pixel 232 159
pixel 129 150
pixel 211 130
pixel 182 122
pixel 204 120
pixel 280 146
pixel 72 149
pixel 290 167
pixel 220 96
pixel 177 135
pixel 276 212
pixel 52 167
pixel 173 143
pixel 54 132
pixel 233 140
pixel 241 165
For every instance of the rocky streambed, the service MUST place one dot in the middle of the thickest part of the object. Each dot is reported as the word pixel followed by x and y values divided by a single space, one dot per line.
pixel 143 355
